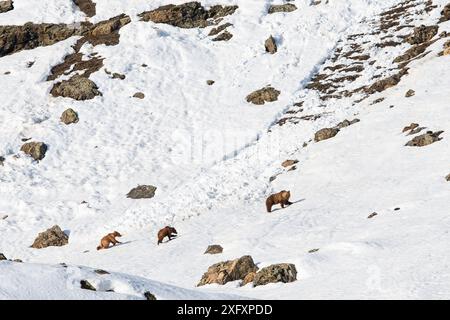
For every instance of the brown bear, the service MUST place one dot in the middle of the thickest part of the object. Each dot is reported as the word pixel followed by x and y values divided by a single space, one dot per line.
pixel 278 198
pixel 109 238
pixel 166 232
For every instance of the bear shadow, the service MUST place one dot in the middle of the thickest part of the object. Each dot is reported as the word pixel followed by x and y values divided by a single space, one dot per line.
pixel 292 203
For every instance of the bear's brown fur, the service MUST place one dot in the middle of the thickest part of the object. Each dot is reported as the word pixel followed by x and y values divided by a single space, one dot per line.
pixel 278 198
pixel 166 232
pixel 108 239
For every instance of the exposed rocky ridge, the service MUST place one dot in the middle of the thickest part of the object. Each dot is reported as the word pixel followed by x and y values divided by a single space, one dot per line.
pixel 87 6
pixel 187 15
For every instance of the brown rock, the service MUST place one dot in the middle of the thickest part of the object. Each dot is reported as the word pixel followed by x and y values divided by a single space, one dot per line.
pixel 288 163
pixel 447 177
pixel 325 133
pixel 53 237
pixel 410 93
pixel 227 271
pixel 87 6
pixel 6 6
pixel 139 95
pixel 219 29
pixel 69 116
pixel 142 192
pixel 271 45
pixel 224 36
pixel 210 82
pixel 260 97
pixel 284 272
pixel 425 139
pixel 2 257
pixel 288 7
pixel 372 215
pixel 36 150
pixel 422 34
pixel 412 126
pixel 445 13
pixel 347 123
pixel 249 278
pixel 214 249
pixel 77 87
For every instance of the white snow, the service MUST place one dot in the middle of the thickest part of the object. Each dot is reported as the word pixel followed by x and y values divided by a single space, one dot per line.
pixel 210 155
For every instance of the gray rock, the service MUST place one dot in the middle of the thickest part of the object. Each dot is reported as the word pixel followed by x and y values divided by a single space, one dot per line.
pixel 142 192
pixel 6 6
pixel 53 237
pixel 284 272
pixel 77 87
pixel 346 123
pixel 288 7
pixel 69 116
pixel 410 93
pixel 261 96
pixel 214 249
pixel 325 133
pixel 425 139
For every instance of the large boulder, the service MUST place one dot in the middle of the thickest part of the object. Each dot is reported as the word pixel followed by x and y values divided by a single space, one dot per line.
pixel 288 7
pixel 261 96
pixel 227 271
pixel 77 87
pixel 422 34
pixel 214 249
pixel 325 133
pixel 6 6
pixel 284 272
pixel 36 150
pixel 187 15
pixel 425 139
pixel 53 237
pixel 142 192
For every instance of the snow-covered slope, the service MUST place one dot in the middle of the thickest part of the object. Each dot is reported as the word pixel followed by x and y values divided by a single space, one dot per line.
pixel 211 154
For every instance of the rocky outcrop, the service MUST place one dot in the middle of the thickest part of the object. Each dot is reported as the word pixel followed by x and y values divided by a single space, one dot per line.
pixel 386 83
pixel 422 34
pixel 248 278
pixel 261 96
pixel 224 36
pixel 53 237
pixel 77 87
pixel 6 6
pixel 445 14
pixel 69 116
pixel 227 271
pixel 187 15
pixel 288 7
pixel 284 272
pixel 219 29
pixel 87 6
pixel 214 249
pixel 425 139
pixel 84 284
pixel 325 133
pixel 36 150
pixel 142 192
pixel 270 45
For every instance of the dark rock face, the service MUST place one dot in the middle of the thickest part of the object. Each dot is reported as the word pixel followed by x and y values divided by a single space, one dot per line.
pixel 187 15
pixel 84 284
pixel 284 272
pixel 219 29
pixel 36 150
pixel 224 36
pixel 261 96
pixel 288 7
pixel 227 271
pixel 2 257
pixel 6 6
pixel 410 93
pixel 149 296
pixel 69 116
pixel 53 237
pixel 447 177
pixel 271 46
pixel 214 249
pixel 386 83
pixel 142 192
pixel 425 139
pixel 422 34
pixel 325 133
pixel 87 6
pixel 77 87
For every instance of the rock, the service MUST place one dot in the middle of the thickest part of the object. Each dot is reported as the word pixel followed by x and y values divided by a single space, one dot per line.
pixel 346 123
pixel 87 6
pixel 372 215
pixel 210 82
pixel 139 95
pixel 425 139
pixel 325 133
pixel 69 116
pixel 149 296
pixel 118 76
pixel 410 93
pixel 53 237
pixel 284 272
pixel 271 45
pixel 386 83
pixel 422 34
pixel 101 272
pixel 214 249
pixel 187 15
pixel 260 97
pixel 77 87
pixel 447 177
pixel 224 36
pixel 18 260
pixel 249 278
pixel 36 150
pixel 227 271
pixel 6 6
pixel 2 160
pixel 288 163
pixel 313 250
pixel 2 257
pixel 288 7
pixel 445 13
pixel 412 126
pixel 84 284
pixel 219 29
pixel 142 192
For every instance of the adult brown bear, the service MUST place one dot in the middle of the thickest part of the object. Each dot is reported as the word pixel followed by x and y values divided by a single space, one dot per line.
pixel 166 232
pixel 281 197
pixel 109 238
